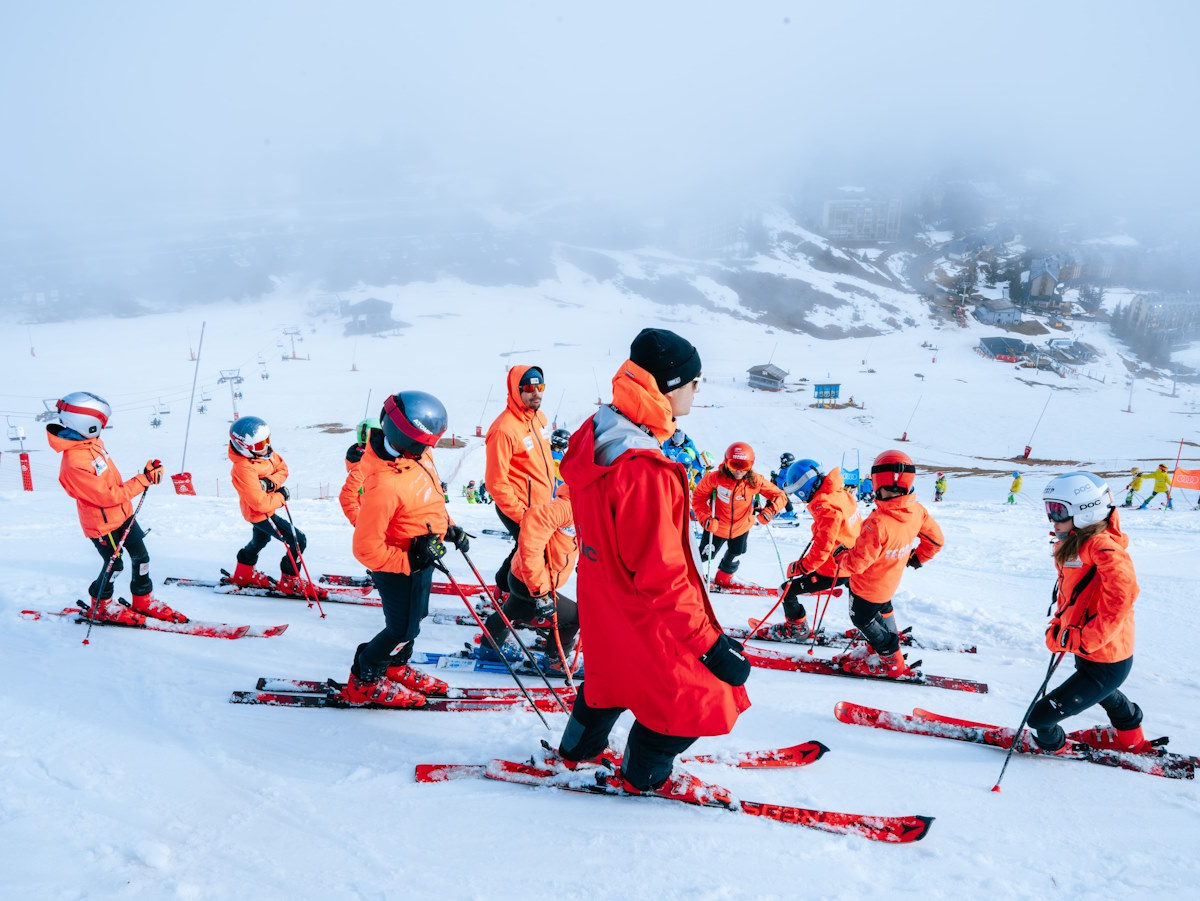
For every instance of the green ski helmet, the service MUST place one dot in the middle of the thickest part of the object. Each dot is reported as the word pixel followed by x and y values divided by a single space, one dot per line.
pixel 363 428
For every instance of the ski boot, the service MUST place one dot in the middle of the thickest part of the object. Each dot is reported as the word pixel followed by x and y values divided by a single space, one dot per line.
pixel 790 630
pixel 246 576
pixel 116 612
pixel 147 605
pixel 887 666
pixel 299 587
pixel 722 579
pixel 680 786
pixel 382 691
pixel 412 678
pixel 1110 738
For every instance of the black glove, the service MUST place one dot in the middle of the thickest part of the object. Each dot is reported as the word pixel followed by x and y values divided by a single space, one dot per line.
pixel 283 493
pixel 839 550
pixel 267 485
pixel 459 537
pixel 708 551
pixel 425 551
pixel 354 453
pixel 544 605
pixel 726 661
pixel 913 561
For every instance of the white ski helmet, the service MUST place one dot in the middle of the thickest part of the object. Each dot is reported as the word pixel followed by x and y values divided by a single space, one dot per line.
pixel 1078 496
pixel 251 437
pixel 84 412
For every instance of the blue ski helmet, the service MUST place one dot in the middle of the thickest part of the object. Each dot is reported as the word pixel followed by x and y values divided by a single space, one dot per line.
pixel 803 478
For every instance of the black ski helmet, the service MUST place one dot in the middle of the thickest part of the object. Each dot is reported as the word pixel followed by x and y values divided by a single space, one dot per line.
pixel 786 460
pixel 412 421
pixel 559 439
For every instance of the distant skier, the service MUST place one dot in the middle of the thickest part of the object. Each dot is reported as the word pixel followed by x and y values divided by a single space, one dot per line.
pixel 258 475
pixel 1134 487
pixel 724 506
pixel 559 439
pixel 1093 617
pixel 779 479
pixel 484 497
pixel 680 448
pixel 836 524
pixel 939 488
pixel 899 532
pixel 520 470
pixel 1015 488
pixel 350 495
pixel 102 500
pixel 398 537
pixel 866 491
pixel 1162 485
pixel 470 492
pixel 543 563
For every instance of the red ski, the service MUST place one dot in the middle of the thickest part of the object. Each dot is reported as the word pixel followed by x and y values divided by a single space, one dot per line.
pixel 365 585
pixel 794 756
pixel 900 829
pixel 759 632
pixel 131 620
pixel 331 696
pixel 224 586
pixel 1156 762
pixel 774 660
pixel 314 686
pixel 749 588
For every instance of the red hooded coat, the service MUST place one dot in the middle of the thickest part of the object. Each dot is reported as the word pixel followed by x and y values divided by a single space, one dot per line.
pixel 642 605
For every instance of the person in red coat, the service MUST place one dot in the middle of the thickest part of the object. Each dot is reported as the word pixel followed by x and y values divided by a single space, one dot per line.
pixel 654 645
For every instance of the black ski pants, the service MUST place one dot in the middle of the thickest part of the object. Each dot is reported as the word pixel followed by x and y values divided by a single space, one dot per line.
pixel 521 610
pixel 877 623
pixel 649 755
pixel 135 545
pixel 1091 683
pixel 405 603
pixel 810 583
pixel 737 547
pixel 514 529
pixel 274 527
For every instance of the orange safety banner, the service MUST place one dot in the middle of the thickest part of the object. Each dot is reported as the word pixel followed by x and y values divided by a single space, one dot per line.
pixel 1186 478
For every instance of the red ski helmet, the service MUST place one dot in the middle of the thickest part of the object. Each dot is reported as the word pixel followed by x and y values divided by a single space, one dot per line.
pixel 893 469
pixel 739 457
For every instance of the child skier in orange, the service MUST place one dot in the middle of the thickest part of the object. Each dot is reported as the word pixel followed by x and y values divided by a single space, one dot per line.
pixel 724 505
pixel 258 475
pixel 898 533
pixel 1092 617
pixel 90 476
pixel 351 494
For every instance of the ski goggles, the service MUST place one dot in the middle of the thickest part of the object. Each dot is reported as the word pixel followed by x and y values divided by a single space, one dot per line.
pixel 259 448
pixel 530 389
pixel 1057 511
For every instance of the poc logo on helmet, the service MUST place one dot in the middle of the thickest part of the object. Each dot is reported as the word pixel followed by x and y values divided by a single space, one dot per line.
pixel 1094 503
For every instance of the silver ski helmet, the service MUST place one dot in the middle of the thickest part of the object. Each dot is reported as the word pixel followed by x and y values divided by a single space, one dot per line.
pixel 251 437
pixel 412 421
pixel 84 412
pixel 1080 497
pixel 559 439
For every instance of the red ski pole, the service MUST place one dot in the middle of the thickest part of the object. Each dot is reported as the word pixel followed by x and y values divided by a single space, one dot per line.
pixel 297 566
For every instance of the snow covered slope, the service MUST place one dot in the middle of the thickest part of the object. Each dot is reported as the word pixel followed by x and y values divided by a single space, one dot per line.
pixel 125 772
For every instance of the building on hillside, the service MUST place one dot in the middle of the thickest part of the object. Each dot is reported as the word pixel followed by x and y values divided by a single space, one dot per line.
pixel 1164 313
pixel 861 220
pixel 767 376
pixel 997 312
pixel 368 317
pixel 1043 277
pixel 1006 350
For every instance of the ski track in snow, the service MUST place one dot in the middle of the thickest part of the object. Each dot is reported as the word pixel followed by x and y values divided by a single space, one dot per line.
pixel 124 771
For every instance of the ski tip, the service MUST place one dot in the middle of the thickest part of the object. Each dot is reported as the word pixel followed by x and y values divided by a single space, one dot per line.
pixel 926 822
pixel 996 788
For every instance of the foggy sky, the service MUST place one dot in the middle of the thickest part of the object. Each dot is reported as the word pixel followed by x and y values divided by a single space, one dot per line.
pixel 158 111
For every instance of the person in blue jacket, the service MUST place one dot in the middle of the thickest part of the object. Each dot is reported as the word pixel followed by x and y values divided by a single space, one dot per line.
pixel 680 448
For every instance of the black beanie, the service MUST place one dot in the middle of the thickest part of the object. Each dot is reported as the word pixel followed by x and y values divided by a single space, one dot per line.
pixel 672 360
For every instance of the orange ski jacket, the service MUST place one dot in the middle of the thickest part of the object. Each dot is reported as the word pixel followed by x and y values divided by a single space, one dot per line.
pixel 1095 594
pixel 547 547
pixel 519 469
pixel 836 521
pixel 725 506
pixel 894 529
pixel 257 504
pixel 401 500
pixel 89 475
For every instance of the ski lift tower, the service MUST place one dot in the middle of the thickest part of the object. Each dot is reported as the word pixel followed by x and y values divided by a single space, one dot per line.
pixel 233 377
pixel 292 332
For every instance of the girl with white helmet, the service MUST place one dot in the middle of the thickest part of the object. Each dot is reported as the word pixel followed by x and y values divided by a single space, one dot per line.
pixel 1092 617
pixel 90 476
